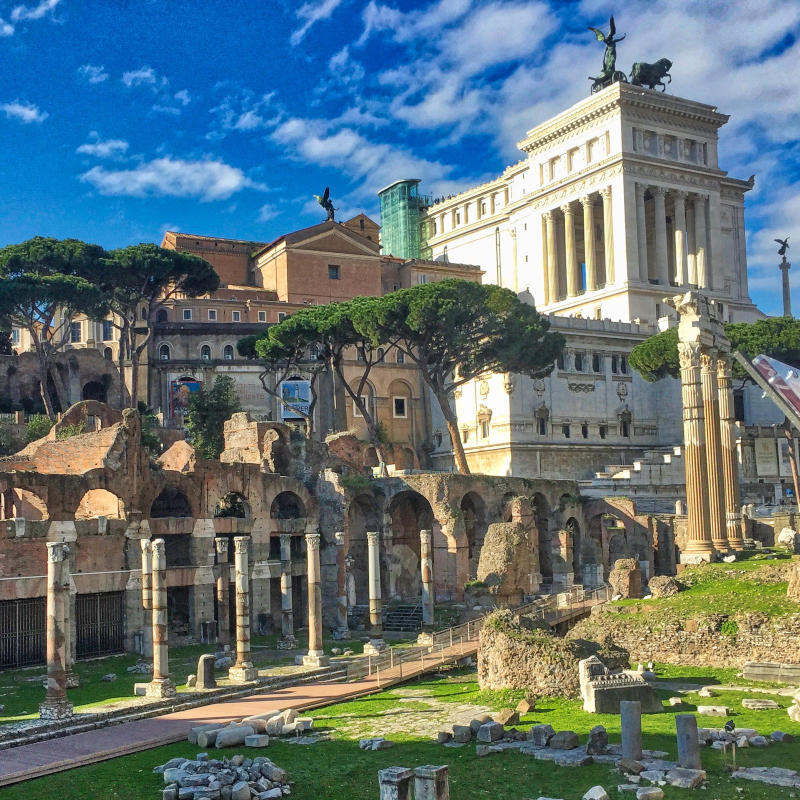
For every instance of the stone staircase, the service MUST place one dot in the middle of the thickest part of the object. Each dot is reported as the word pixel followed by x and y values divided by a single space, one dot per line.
pixel 402 617
pixel 356 616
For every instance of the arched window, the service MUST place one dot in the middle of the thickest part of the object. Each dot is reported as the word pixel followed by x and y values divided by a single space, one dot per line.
pixel 205 352
pixel 163 352
pixel 227 353
pixel 596 363
pixel 107 354
pixel 162 315
pixel 143 314
pixel 381 354
pixel 623 365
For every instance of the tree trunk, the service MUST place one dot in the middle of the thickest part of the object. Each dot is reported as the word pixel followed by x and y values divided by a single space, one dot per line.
pixel 452 428
pixel 787 432
pixel 61 391
pixel 134 403
pixel 44 372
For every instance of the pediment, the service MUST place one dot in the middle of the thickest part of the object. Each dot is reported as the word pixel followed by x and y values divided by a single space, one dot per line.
pixel 334 241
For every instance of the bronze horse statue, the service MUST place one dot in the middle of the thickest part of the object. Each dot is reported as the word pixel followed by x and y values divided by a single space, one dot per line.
pixel 652 75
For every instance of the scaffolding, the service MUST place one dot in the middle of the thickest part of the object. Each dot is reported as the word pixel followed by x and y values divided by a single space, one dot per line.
pixel 401 235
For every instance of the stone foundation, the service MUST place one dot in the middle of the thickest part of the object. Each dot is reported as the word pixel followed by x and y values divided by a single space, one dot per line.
pixel 58 710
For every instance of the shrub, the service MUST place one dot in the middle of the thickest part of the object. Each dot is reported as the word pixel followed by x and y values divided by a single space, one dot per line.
pixel 9 442
pixel 68 431
pixel 38 426
pixel 729 628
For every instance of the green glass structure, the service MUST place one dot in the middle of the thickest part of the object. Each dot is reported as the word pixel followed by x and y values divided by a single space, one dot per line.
pixel 400 227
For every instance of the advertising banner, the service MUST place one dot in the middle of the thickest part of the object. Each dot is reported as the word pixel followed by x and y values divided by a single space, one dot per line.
pixel 297 393
pixel 179 392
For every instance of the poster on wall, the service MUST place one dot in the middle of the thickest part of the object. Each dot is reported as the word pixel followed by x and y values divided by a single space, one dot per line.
pixel 766 457
pixel 179 392
pixel 297 394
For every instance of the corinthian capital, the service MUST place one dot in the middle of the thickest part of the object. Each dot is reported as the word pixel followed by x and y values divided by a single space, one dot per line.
pixel 688 354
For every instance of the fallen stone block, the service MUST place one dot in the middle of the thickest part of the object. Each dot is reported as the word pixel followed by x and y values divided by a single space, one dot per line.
pixel 652 775
pixel 482 750
pixel 443 737
pixel 630 766
pixel 506 716
pixel 304 723
pixel 564 740
pixel 490 732
pixel 231 736
pixel 598 741
pixel 757 741
pixel 527 705
pixel 780 736
pixel 649 793
pixel 256 740
pixel 714 711
pixel 776 776
pixel 706 691
pixel 675 701
pixel 541 735
pixel 240 791
pixel 462 733
pixel 685 778
pixel 476 723
pixel 596 793
pixel 627 787
pixel 757 704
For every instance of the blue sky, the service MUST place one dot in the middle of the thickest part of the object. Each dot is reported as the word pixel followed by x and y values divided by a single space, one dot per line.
pixel 124 118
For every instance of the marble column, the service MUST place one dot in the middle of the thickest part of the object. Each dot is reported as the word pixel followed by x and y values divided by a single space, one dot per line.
pixel 700 241
pixel 630 713
pixel 552 257
pixel 342 630
pixel 571 254
pixel 375 617
pixel 716 499
pixel 588 243
pixel 688 743
pixel 426 565
pixel 223 583
pixel 641 233
pixel 288 639
pixel 662 264
pixel 608 234
pixel 243 670
pixel 730 458
pixel 395 783
pixel 147 597
pixel 681 239
pixel 316 655
pixel 55 705
pixel 432 782
pixel 69 610
pixel 698 531
pixel 161 685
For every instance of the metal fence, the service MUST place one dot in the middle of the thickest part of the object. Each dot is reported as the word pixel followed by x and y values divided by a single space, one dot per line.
pixel 22 632
pixel 99 624
pixel 447 644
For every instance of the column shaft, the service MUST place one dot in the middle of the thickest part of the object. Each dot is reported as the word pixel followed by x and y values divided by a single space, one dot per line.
pixel 716 501
pixel 662 264
pixel 681 241
pixel 571 255
pixel 426 565
pixel 700 240
pixel 641 233
pixel 243 670
pixel 730 459
pixel 588 243
pixel 374 556
pixel 552 260
pixel 160 686
pixel 341 587
pixel 69 610
pixel 316 656
pixel 608 234
pixel 56 705
pixel 147 597
pixel 223 582
pixel 287 613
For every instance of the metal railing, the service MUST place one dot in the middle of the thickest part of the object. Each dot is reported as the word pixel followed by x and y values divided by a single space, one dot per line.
pixel 457 641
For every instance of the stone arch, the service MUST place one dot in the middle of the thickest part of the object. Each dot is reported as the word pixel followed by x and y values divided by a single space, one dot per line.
pixel 364 513
pixel 542 515
pixel 171 502
pixel 287 505
pixel 94 390
pixel 573 528
pixel 162 315
pixel 409 513
pixel 473 510
pixel 100 503
pixel 25 504
pixel 233 504
pixel 595 562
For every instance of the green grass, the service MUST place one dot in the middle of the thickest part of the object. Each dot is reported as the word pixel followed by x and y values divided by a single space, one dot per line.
pixel 338 770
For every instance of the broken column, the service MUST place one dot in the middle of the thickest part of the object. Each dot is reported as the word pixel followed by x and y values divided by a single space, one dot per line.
pixel 432 782
pixel 70 593
pixel 630 712
pixel 395 783
pixel 316 655
pixel 55 705
pixel 243 670
pixel 342 629
pixel 730 457
pixel 376 643
pixel 688 743
pixel 288 640
pixel 161 685
pixel 147 597
pixel 426 565
pixel 223 582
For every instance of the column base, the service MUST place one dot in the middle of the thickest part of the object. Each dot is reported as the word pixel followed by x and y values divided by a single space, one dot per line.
pixel 374 647
pixel 316 659
pixel 342 632
pixel 243 673
pixel 701 557
pixel 56 710
pixel 161 688
pixel 287 642
pixel 73 681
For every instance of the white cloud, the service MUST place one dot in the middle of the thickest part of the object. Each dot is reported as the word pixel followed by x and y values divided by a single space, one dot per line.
pixel 23 112
pixel 172 110
pixel 243 111
pixel 144 76
pixel 183 97
pixel 103 149
pixel 6 29
pixel 312 12
pixel 92 73
pixel 21 13
pixel 267 212
pixel 207 179
pixel 413 24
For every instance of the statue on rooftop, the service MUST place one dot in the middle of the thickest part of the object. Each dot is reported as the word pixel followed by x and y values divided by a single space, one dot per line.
pixel 609 74
pixel 326 203
pixel 784 246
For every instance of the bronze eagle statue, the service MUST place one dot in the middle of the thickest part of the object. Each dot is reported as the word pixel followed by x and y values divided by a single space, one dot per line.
pixel 326 203
pixel 784 246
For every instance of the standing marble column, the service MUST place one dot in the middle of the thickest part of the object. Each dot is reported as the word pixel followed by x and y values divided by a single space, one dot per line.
pixel 698 531
pixel 681 239
pixel 426 565
pixel 688 743
pixel 588 243
pixel 730 459
pixel 243 670
pixel 147 597
pixel 288 640
pixel 375 618
pixel 630 714
pixel 700 241
pixel 571 254
pixel 69 609
pixel 608 234
pixel 55 705
pixel 342 630
pixel 641 233
pixel 552 259
pixel 662 264
pixel 161 685
pixel 716 500
pixel 316 655
pixel 223 591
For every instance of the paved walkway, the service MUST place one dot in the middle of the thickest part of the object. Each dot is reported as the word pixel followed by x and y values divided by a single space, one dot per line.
pixel 55 755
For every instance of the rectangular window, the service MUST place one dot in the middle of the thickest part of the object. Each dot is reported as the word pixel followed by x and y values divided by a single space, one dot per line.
pixel 212 314
pixel 356 412
pixel 585 431
pixel 108 333
pixel 281 316
pixel 603 431
pixel 262 316
pixel 236 316
pixel 15 335
pixel 625 429
pixel 422 278
pixel 465 436
pixel 484 430
pixel 399 407
pixel 187 314
pixel 401 357
pixel 565 431
pixel 75 332
pixel 333 272
pixel 542 426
